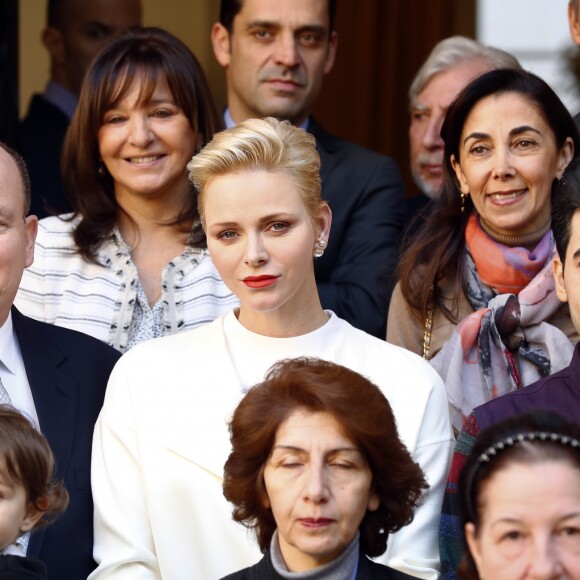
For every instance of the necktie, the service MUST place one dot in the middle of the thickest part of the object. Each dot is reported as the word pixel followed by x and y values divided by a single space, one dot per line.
pixel 4 396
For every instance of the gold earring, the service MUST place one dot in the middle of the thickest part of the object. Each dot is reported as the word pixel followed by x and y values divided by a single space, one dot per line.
pixel 464 196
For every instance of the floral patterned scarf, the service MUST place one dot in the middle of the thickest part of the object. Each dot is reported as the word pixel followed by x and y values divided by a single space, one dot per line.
pixel 506 343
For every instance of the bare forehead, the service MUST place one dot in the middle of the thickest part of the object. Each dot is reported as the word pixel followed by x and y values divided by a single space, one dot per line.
pixel 115 14
pixel 284 13
pixel 507 109
pixel 138 83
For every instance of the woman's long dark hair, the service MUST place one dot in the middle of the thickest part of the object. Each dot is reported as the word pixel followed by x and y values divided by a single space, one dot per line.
pixel 436 250
pixel 150 52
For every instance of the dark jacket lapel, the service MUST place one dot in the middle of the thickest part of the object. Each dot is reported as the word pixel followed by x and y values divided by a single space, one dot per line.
pixel 54 393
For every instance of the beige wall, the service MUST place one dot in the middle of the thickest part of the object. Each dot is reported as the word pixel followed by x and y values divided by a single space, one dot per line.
pixel 189 20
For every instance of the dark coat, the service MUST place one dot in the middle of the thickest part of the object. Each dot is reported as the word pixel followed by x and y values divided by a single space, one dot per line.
pixel 17 568
pixel 68 373
pixel 364 190
pixel 367 570
pixel 40 141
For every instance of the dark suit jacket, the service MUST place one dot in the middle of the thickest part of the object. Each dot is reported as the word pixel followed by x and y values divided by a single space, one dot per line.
pixel 367 570
pixel 67 372
pixel 40 142
pixel 18 568
pixel 355 277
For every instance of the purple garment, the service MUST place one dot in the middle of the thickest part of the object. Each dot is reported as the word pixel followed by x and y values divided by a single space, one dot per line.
pixel 559 392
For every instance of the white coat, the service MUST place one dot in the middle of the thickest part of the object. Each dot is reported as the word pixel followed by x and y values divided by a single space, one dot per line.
pixel 161 442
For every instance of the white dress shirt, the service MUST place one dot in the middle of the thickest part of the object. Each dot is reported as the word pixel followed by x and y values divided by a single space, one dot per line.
pixel 13 373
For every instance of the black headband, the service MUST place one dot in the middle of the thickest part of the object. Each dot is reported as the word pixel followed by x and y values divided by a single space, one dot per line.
pixel 491 452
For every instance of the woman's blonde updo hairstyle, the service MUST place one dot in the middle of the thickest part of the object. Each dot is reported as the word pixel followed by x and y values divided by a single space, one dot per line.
pixel 261 145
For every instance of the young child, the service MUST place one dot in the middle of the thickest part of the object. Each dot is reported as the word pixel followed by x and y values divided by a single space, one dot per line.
pixel 29 497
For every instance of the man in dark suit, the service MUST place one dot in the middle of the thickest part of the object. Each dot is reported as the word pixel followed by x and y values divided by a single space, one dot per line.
pixel 276 53
pixel 76 31
pixel 55 376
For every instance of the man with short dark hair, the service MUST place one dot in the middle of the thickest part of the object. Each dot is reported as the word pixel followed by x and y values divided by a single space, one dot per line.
pixel 559 392
pixel 57 377
pixel 275 54
pixel 76 31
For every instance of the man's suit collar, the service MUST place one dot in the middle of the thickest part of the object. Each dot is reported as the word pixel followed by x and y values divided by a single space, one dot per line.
pixel 324 140
pixel 53 391
pixel 326 145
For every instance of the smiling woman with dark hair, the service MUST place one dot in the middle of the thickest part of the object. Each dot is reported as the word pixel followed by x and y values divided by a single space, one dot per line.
pixel 317 469
pixel 131 262
pixel 476 294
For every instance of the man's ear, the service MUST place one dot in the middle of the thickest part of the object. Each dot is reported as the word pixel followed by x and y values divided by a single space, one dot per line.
pixel 558 269
pixel 574 24
pixel 31 229
pixel 54 42
pixel 220 40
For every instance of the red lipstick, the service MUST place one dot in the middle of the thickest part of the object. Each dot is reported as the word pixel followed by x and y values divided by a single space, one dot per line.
pixel 259 281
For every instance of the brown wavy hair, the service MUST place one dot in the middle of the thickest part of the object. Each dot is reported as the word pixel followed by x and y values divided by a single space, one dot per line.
pixel 150 52
pixel 366 417
pixel 28 461
pixel 436 250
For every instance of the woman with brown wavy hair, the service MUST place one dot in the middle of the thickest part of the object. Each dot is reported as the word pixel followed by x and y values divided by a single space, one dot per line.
pixel 131 263
pixel 318 471
pixel 476 294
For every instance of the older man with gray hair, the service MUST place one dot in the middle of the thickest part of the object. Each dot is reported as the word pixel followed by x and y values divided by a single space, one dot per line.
pixel 452 64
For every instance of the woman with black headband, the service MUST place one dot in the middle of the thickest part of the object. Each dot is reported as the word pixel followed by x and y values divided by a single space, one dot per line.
pixel 521 501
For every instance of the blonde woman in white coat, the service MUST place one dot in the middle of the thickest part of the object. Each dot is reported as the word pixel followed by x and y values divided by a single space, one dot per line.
pixel 161 440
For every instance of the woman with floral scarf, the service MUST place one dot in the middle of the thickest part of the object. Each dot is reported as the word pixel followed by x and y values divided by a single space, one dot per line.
pixel 476 293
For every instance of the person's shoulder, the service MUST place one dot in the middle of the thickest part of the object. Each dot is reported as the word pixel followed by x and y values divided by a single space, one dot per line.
pixel 384 357
pixel 369 570
pixel 58 335
pixel 239 575
pixel 59 227
pixel 557 392
pixel 197 343
pixel 347 150
pixel 41 110
pixel 22 568
pixel 42 125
